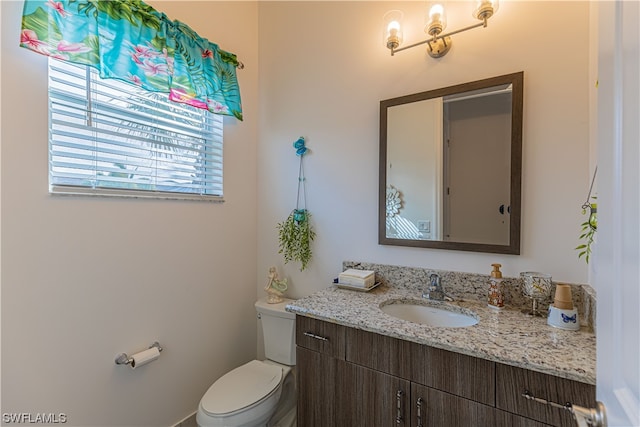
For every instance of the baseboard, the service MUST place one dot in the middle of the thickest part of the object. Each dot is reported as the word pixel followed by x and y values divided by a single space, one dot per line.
pixel 188 421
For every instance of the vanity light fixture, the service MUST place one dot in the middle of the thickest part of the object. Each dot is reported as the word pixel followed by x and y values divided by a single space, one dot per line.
pixel 438 43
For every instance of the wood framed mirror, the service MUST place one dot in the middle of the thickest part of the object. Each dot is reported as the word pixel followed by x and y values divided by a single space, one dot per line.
pixel 451 167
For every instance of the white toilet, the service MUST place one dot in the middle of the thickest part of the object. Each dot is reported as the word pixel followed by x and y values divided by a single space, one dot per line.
pixel 258 393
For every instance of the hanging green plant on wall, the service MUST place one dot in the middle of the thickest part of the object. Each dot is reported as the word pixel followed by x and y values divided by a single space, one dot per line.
pixel 588 232
pixel 590 226
pixel 295 234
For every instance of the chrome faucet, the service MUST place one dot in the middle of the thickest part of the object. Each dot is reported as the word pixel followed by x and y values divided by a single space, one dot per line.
pixel 435 291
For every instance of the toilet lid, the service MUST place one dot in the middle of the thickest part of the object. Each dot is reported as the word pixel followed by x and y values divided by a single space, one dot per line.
pixel 241 387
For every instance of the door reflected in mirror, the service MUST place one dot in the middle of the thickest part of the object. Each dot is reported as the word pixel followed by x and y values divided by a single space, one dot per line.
pixel 450 167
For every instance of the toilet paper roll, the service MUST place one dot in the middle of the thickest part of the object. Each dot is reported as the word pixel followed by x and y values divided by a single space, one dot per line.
pixel 144 357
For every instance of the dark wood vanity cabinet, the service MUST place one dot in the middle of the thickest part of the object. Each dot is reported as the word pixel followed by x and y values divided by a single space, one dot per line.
pixel 351 378
pixel 336 392
pixel 319 351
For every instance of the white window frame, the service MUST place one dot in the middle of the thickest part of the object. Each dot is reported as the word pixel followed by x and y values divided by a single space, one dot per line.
pixel 111 138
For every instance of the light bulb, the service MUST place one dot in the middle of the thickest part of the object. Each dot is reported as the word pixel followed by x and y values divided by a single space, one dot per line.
pixel 436 12
pixel 392 29
pixel 437 21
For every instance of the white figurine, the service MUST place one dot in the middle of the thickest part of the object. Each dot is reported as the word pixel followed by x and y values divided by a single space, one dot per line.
pixel 275 287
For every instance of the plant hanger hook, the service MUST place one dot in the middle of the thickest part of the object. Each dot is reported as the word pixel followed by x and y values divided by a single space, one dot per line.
pixel 301 198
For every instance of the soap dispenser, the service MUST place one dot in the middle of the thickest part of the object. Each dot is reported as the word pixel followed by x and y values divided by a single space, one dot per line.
pixel 495 297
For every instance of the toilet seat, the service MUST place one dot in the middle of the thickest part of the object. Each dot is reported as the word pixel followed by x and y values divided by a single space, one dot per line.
pixel 241 388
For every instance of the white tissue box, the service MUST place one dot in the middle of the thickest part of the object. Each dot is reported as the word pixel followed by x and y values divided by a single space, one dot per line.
pixel 361 278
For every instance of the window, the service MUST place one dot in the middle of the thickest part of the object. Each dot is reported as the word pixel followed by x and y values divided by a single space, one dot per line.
pixel 108 137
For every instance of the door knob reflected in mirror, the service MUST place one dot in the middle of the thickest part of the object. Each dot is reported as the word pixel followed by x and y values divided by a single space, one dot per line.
pixel 501 209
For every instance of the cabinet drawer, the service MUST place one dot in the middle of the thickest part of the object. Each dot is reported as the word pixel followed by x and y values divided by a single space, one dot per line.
pixel 320 336
pixel 512 383
pixel 455 373
pixel 436 408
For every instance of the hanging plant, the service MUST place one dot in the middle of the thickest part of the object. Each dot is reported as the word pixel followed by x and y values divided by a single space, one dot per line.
pixel 295 234
pixel 590 226
pixel 588 231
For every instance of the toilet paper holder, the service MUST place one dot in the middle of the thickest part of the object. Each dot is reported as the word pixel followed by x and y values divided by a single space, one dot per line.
pixel 123 359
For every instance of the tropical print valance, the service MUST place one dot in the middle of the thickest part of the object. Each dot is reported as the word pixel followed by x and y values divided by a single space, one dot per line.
pixel 130 40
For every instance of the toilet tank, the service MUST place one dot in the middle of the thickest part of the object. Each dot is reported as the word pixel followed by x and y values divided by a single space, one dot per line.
pixel 279 330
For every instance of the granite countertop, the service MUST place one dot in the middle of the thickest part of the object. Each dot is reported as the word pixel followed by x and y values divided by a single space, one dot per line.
pixel 507 336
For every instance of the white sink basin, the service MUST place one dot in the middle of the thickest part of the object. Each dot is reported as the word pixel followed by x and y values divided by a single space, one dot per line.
pixel 427 315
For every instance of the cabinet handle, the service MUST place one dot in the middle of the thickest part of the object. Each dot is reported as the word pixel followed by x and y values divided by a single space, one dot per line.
pixel 399 395
pixel 596 417
pixel 419 403
pixel 527 394
pixel 318 337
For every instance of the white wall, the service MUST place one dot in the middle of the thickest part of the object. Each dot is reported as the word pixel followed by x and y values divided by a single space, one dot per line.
pixel 323 71
pixel 84 279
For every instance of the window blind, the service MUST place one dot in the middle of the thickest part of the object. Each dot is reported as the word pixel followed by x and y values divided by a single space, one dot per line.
pixel 111 137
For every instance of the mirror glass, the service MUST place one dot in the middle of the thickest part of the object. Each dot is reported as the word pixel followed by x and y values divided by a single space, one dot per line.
pixel 450 167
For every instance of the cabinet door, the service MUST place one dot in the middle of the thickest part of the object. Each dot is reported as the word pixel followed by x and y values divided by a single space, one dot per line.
pixel 316 389
pixel 368 398
pixel 430 407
